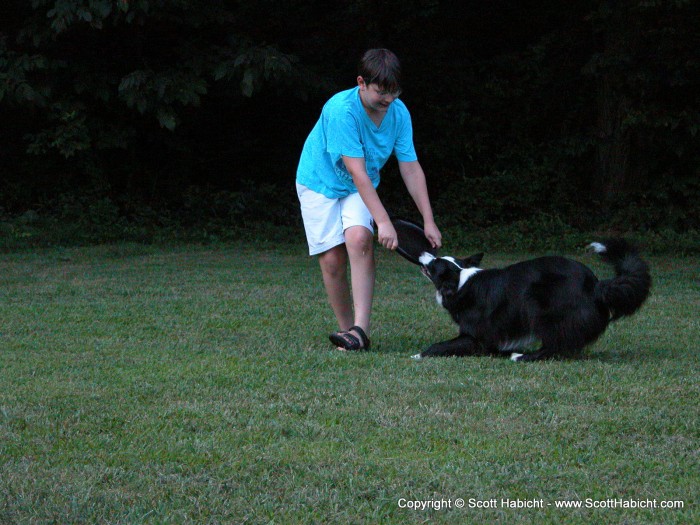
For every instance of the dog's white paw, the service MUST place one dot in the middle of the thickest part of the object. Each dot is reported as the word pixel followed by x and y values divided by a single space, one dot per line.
pixel 516 357
pixel 417 357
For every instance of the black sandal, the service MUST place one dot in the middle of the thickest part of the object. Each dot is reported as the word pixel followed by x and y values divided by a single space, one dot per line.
pixel 348 341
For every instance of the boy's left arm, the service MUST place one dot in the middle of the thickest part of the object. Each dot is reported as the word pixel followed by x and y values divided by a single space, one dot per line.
pixel 414 179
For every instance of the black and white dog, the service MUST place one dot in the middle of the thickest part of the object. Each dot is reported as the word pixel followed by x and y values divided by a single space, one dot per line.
pixel 556 302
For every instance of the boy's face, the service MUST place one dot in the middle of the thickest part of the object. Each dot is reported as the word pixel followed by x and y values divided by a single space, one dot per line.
pixel 374 97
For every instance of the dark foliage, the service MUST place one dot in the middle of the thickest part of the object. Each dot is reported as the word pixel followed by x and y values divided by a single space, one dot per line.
pixel 130 113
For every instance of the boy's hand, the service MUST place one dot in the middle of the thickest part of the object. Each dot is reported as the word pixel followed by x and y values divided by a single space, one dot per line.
pixel 386 234
pixel 433 234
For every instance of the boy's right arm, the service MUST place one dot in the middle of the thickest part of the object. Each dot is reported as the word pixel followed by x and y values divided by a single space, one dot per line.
pixel 385 229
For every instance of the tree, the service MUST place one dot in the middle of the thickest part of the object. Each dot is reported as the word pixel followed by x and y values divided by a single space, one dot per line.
pixel 646 79
pixel 94 75
pixel 538 107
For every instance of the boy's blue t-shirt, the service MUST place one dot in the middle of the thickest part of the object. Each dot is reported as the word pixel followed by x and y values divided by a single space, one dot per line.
pixel 345 129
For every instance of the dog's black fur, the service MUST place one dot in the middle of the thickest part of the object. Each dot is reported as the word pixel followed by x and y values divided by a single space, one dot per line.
pixel 552 300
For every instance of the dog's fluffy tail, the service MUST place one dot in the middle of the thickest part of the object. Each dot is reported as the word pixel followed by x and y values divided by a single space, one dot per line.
pixel 625 293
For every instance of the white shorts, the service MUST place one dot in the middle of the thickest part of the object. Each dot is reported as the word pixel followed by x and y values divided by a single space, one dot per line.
pixel 325 220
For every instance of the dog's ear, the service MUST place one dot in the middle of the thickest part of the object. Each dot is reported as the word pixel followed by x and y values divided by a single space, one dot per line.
pixel 472 261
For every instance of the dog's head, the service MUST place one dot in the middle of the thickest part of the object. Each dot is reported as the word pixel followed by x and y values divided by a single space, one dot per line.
pixel 449 274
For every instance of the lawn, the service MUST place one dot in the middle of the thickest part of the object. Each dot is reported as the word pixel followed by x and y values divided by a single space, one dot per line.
pixel 196 385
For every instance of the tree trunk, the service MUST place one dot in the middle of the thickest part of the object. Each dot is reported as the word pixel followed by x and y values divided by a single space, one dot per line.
pixel 613 155
pixel 620 31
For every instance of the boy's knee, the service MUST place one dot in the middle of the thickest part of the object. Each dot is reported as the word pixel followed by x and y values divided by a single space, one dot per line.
pixel 359 239
pixel 334 262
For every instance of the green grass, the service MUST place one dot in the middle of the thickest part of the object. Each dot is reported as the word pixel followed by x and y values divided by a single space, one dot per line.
pixel 196 385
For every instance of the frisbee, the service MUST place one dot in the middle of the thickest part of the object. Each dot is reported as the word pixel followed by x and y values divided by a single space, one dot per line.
pixel 412 241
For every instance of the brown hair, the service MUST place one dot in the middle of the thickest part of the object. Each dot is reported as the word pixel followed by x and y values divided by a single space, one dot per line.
pixel 381 67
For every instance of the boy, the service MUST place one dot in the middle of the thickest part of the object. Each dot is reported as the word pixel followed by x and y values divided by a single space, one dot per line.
pixel 337 177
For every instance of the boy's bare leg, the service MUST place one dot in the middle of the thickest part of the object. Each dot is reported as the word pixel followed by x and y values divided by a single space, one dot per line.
pixel 359 242
pixel 334 264
pixel 351 309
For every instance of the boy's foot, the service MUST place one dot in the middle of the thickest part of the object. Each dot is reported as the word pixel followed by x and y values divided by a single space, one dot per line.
pixel 353 339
